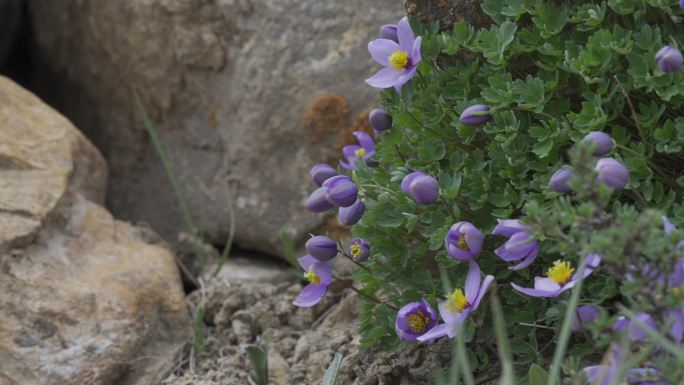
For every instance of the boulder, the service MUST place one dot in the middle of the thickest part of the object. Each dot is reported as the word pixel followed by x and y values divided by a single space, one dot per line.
pixel 246 95
pixel 86 299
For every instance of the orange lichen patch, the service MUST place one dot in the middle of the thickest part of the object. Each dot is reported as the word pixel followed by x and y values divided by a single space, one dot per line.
pixel 327 114
pixel 212 117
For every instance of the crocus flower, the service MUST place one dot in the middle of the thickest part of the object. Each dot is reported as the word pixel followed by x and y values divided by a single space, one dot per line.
pixel 354 152
pixel 380 120
pixel 584 315
pixel 559 180
pixel 321 172
pixel 389 32
pixel 414 319
pixel 317 203
pixel 559 278
pixel 475 115
pixel 422 187
pixel 463 241
pixel 459 305
pixel 400 58
pixel 603 143
pixel 612 173
pixel 520 245
pixel 340 191
pixel 669 59
pixel 348 216
pixel 321 247
pixel 359 250
pixel 319 275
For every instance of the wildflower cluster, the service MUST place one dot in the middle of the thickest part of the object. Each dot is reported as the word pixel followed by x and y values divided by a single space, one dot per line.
pixel 543 155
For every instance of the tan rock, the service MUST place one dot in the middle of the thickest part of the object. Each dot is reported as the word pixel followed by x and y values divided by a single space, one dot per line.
pixel 86 299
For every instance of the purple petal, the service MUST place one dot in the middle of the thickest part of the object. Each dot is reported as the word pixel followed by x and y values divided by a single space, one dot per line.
pixel 365 140
pixel 381 49
pixel 324 271
pixel 508 227
pixel 591 263
pixel 472 284
pixel 349 151
pixel 600 374
pixel 436 332
pixel 534 292
pixel 405 34
pixel 668 227
pixel 415 51
pixel 311 295
pixel 483 290
pixel 446 315
pixel 527 260
pixel 405 76
pixel 346 165
pixel 546 284
pixel 406 182
pixel 385 78
pixel 306 261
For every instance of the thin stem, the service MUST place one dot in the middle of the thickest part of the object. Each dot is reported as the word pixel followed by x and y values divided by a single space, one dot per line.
pixel 422 79
pixel 544 114
pixel 380 188
pixel 631 107
pixel 374 299
pixel 355 262
pixel 536 326
pixel 421 124
pixel 448 206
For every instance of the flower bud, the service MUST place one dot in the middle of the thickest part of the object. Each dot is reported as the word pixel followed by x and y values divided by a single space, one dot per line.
pixel 340 191
pixel 389 32
pixel 559 181
pixel 612 173
pixel 359 250
pixel 681 5
pixel 321 247
pixel 321 172
pixel 380 120
pixel 422 187
pixel 316 202
pixel 669 59
pixel 475 115
pixel 348 216
pixel 603 143
pixel 463 241
pixel 584 315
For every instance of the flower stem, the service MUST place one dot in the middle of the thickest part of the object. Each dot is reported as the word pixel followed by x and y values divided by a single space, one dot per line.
pixel 355 262
pixel 374 299
pixel 451 210
pixel 631 107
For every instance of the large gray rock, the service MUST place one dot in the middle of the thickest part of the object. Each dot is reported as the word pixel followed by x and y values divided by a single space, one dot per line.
pixel 229 84
pixel 84 298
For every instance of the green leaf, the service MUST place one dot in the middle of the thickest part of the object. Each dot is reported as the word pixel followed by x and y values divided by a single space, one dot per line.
pixel 259 360
pixel 537 375
pixel 330 377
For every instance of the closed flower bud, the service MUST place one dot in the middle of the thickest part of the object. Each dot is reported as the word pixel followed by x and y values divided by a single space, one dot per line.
pixel 321 247
pixel 559 181
pixel 322 172
pixel 359 250
pixel 612 173
pixel 422 187
pixel 389 32
pixel 475 115
pixel 380 120
pixel 348 216
pixel 316 202
pixel 603 143
pixel 681 5
pixel 669 59
pixel 584 315
pixel 340 191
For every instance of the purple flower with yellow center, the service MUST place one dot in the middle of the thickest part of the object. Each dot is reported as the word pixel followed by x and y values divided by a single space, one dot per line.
pixel 422 187
pixel 520 245
pixel 414 319
pixel 459 305
pixel 322 172
pixel 584 315
pixel 463 241
pixel 353 152
pixel 359 250
pixel 340 191
pixel 475 115
pixel 317 202
pixel 400 57
pixel 669 59
pixel 319 275
pixel 559 278
pixel 348 216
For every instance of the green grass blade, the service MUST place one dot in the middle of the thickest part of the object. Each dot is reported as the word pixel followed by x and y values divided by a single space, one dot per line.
pixel 462 357
pixel 655 336
pixel 330 377
pixel 502 342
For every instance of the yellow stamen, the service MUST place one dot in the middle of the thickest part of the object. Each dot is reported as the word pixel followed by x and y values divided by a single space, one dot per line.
pixel 360 153
pixel 457 301
pixel 398 60
pixel 355 250
pixel 676 291
pixel 462 244
pixel 560 272
pixel 418 322
pixel 312 277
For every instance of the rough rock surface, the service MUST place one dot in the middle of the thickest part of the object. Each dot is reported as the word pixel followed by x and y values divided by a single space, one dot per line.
pixel 448 12
pixel 247 96
pixel 85 299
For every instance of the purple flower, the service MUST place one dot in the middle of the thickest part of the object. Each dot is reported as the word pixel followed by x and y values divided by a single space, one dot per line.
pixel 459 305
pixel 354 152
pixel 681 5
pixel 676 317
pixel 520 245
pixel 359 250
pixel 340 191
pixel 475 115
pixel 321 247
pixel 603 143
pixel 606 374
pixel 612 173
pixel 668 227
pixel 317 203
pixel 559 278
pixel 463 241
pixel 559 180
pixel 348 216
pixel 422 187
pixel 584 315
pixel 634 330
pixel 414 319
pixel 389 32
pixel 669 59
pixel 380 120
pixel 400 58
pixel 319 275
pixel 321 172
